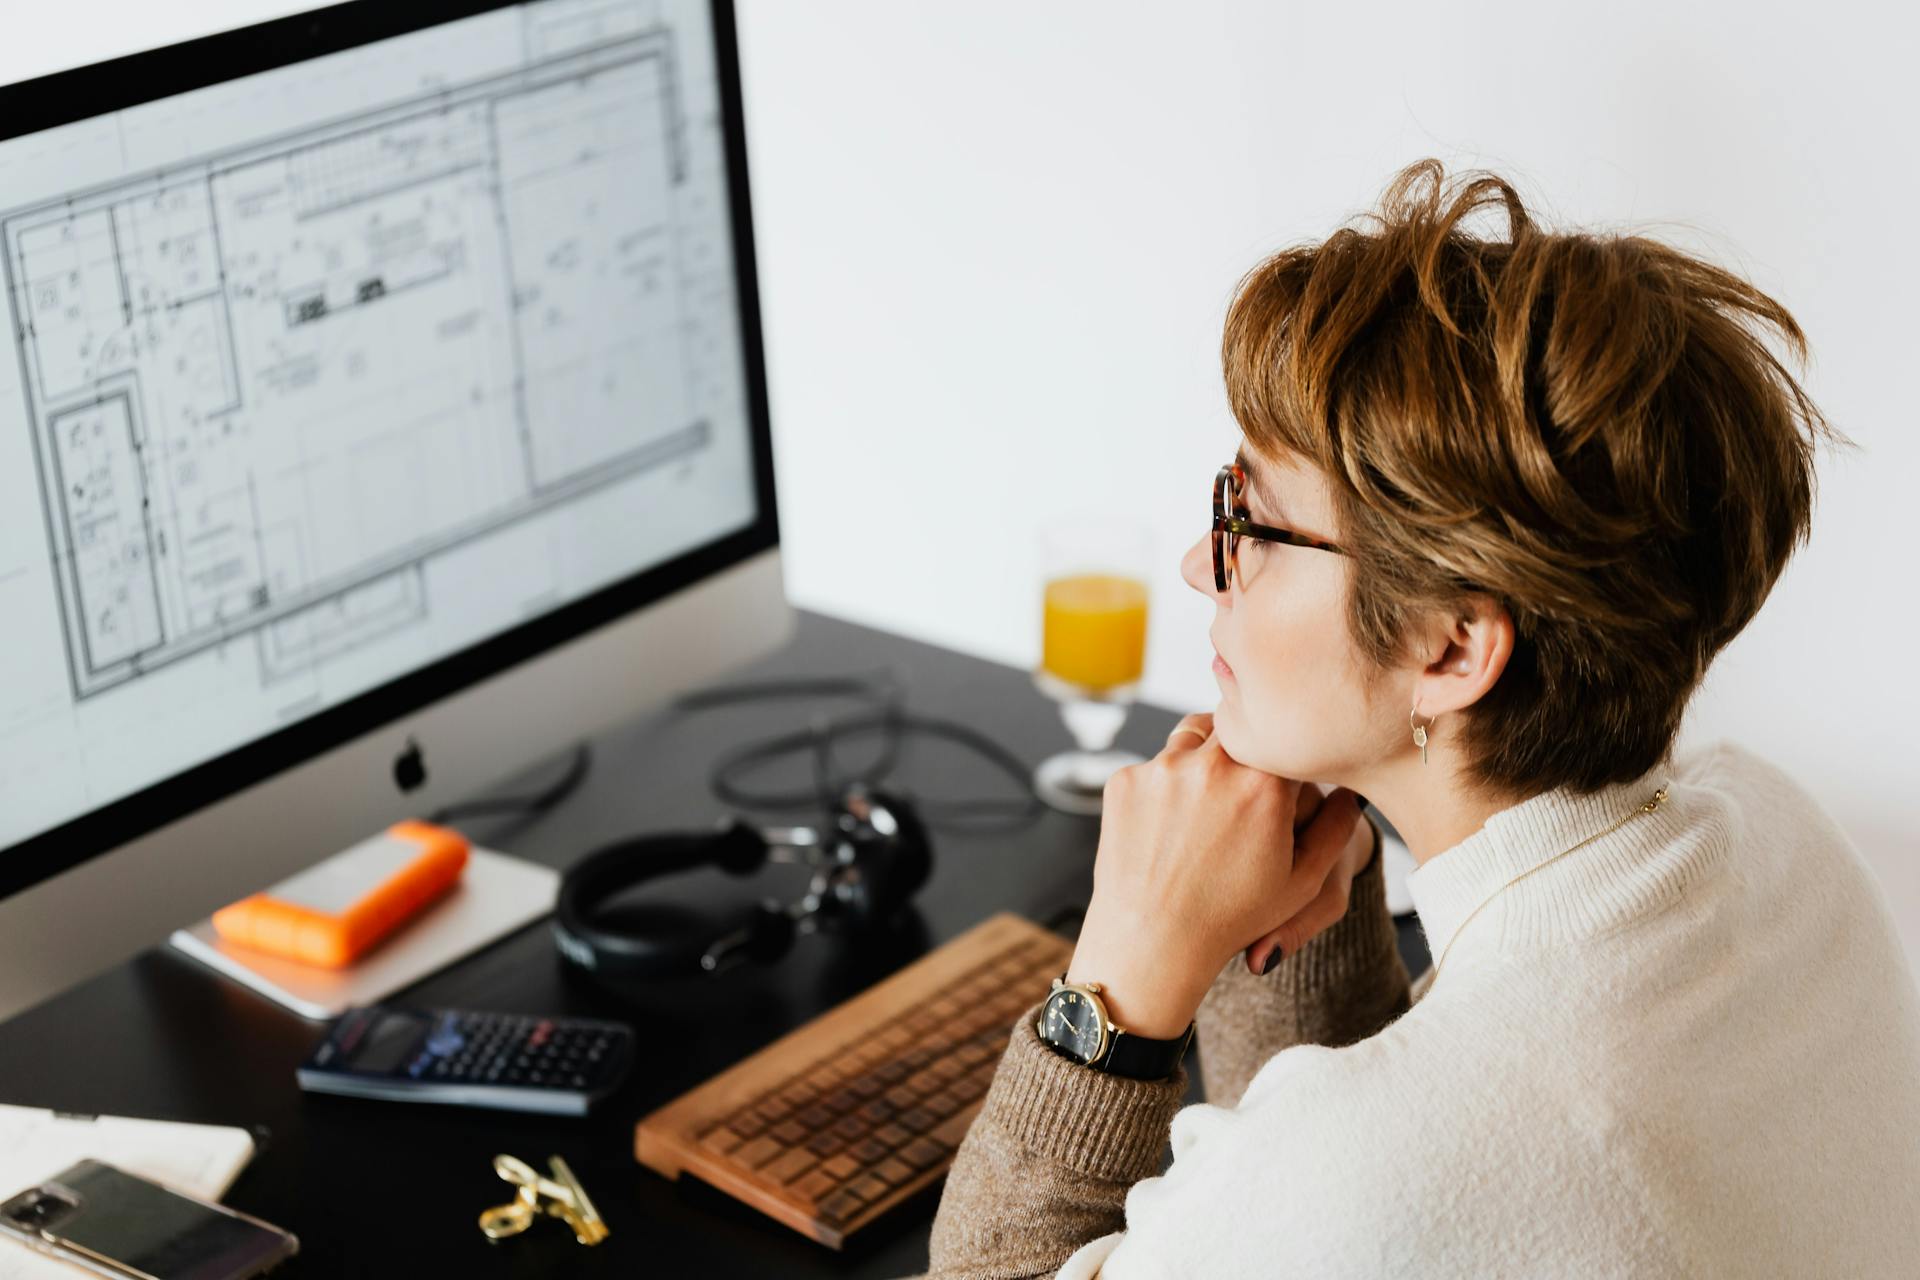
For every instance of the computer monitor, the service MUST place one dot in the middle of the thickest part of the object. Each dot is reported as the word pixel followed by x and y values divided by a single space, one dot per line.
pixel 386 411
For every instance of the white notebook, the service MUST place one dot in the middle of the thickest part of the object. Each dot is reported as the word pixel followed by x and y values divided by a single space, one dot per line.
pixel 496 895
pixel 198 1159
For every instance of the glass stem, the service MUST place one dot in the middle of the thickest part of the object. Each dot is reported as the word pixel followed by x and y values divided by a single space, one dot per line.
pixel 1093 724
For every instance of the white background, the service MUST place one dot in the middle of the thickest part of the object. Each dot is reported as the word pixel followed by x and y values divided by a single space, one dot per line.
pixel 997 240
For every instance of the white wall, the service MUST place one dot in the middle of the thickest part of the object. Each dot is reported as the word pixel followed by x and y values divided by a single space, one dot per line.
pixel 997 240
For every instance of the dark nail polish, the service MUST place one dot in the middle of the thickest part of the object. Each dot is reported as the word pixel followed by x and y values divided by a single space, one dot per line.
pixel 1359 799
pixel 1273 958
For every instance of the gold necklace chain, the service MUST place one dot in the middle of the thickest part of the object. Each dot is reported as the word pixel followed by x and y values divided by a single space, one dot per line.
pixel 1659 797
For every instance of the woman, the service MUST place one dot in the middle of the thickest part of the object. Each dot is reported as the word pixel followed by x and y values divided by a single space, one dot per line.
pixel 1500 502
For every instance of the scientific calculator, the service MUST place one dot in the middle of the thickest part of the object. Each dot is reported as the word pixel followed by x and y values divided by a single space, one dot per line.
pixel 515 1062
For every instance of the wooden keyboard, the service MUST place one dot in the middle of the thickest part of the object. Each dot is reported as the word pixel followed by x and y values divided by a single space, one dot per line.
pixel 833 1124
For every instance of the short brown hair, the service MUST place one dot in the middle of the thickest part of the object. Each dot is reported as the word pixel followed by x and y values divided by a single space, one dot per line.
pixel 1586 427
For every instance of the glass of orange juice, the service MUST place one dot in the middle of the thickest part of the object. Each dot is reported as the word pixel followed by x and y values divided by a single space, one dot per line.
pixel 1093 608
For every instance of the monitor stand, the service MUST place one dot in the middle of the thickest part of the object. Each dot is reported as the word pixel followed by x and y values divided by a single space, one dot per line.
pixel 496 895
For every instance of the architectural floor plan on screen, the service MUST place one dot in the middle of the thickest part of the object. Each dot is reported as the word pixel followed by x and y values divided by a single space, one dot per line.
pixel 266 386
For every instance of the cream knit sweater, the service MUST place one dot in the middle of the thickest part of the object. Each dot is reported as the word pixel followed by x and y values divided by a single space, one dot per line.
pixel 1690 1048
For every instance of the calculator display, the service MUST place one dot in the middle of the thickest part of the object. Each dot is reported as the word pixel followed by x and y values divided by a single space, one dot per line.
pixel 389 1043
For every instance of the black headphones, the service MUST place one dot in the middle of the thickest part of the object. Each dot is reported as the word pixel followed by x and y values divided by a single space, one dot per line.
pixel 868 860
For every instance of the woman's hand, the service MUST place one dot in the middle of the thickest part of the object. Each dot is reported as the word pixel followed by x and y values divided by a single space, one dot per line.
pixel 1329 906
pixel 1199 859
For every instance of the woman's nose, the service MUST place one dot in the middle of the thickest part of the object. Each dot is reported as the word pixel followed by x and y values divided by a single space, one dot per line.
pixel 1197 566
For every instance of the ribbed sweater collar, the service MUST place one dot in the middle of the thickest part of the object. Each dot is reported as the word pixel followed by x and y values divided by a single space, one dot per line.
pixel 1644 862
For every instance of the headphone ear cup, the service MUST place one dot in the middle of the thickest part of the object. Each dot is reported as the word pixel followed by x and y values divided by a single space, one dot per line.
pixel 892 873
pixel 651 939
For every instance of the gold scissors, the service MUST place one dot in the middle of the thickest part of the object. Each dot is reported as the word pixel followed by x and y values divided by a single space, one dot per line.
pixel 561 1196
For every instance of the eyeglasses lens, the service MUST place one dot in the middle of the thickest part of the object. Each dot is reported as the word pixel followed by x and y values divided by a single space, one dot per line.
pixel 1225 541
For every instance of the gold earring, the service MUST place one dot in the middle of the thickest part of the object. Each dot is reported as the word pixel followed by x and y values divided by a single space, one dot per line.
pixel 1420 732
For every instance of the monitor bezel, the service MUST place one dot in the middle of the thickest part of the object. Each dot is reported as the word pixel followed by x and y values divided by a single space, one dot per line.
pixel 30 106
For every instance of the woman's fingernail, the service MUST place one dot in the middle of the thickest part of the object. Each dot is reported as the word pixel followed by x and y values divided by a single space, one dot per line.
pixel 1359 799
pixel 1273 958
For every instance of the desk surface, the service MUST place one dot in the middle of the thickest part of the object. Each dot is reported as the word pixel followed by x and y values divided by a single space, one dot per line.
pixel 380 1189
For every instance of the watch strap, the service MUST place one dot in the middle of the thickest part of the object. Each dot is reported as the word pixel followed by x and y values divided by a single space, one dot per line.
pixel 1139 1058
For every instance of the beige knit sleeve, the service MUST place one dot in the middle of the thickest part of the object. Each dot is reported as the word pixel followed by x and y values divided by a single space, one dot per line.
pixel 1344 985
pixel 1047 1163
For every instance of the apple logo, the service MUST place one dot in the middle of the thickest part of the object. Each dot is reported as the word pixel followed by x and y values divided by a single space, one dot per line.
pixel 410 767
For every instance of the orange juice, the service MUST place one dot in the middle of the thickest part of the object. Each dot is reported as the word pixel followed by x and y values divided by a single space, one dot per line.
pixel 1095 629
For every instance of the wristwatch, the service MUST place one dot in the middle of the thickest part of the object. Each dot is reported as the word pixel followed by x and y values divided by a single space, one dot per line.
pixel 1074 1023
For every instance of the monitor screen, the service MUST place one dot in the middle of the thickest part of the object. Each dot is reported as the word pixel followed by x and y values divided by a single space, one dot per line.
pixel 400 345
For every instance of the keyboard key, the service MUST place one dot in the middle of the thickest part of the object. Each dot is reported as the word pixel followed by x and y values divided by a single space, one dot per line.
pixel 869 1151
pixel 852 1128
pixel 757 1152
pixel 841 1166
pixel 841 1205
pixel 791 1165
pixel 973 1054
pixel 815 1186
pixel 922 1152
pixel 893 1135
pixel 825 1144
pixel 870 1187
pixel 895 1170
pixel 790 1132
pixel 721 1139
pixel 968 1087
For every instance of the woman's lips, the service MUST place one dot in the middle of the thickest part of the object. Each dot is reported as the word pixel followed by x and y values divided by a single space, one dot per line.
pixel 1220 667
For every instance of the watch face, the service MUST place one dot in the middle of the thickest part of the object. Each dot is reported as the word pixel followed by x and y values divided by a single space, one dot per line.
pixel 1073 1023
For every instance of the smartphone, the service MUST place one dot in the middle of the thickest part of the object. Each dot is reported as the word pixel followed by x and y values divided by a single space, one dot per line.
pixel 115 1223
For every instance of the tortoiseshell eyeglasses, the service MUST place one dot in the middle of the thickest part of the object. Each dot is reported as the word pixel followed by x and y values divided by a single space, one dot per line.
pixel 1230 524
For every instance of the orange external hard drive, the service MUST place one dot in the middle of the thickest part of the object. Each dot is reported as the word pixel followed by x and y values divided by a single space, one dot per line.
pixel 331 913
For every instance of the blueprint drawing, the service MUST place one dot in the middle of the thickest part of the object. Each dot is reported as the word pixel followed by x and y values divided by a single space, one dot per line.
pixel 265 386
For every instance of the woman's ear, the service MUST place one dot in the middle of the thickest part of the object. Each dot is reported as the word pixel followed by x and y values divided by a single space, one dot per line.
pixel 1466 652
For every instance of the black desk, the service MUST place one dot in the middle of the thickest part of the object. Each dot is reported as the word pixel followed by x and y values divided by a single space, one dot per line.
pixel 380 1189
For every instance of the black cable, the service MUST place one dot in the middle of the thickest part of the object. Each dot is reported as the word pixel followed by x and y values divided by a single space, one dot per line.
pixel 819 736
pixel 539 802
pixel 892 720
